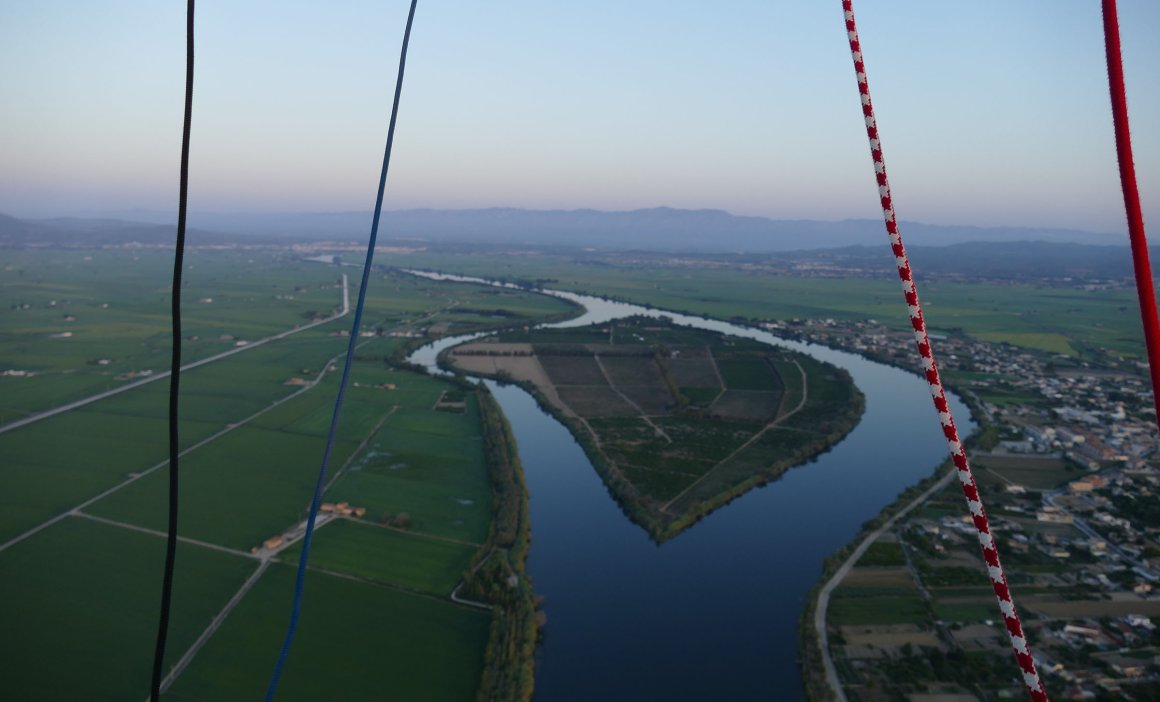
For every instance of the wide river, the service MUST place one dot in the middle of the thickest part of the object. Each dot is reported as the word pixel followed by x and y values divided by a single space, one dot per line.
pixel 713 613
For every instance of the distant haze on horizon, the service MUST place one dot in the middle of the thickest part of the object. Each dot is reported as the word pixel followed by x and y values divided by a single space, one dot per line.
pixel 992 113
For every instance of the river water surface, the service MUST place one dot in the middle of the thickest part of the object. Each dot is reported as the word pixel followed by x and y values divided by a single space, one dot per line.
pixel 713 613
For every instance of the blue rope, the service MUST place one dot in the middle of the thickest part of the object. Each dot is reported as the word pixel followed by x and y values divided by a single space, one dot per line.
pixel 356 325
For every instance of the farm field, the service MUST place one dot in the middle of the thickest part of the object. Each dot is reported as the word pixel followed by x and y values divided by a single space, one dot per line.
pixel 117 324
pixel 1033 472
pixel 677 421
pixel 253 425
pixel 425 463
pixel 88 597
pixel 877 606
pixel 388 556
pixel 1062 320
pixel 126 434
pixel 355 640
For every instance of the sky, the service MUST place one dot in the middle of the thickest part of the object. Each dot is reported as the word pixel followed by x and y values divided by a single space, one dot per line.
pixel 993 112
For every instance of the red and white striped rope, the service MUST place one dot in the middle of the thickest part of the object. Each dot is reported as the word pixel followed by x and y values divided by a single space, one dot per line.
pixel 958 456
pixel 1139 240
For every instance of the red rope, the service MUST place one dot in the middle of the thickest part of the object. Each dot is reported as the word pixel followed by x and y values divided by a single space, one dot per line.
pixel 958 456
pixel 1143 268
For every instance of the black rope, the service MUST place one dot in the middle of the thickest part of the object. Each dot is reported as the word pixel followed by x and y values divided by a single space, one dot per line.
pixel 175 367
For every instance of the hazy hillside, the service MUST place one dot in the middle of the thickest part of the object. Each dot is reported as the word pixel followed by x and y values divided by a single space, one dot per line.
pixel 810 246
pixel 657 229
pixel 73 231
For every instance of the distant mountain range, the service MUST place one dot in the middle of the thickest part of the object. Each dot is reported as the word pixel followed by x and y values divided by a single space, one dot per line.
pixel 657 229
pixel 848 247
pixel 72 231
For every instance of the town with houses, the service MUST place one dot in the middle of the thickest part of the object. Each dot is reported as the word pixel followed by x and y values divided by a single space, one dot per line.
pixel 1068 465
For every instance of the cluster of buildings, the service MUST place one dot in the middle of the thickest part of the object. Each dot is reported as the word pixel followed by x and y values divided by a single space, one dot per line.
pixel 1097 413
pixel 1083 539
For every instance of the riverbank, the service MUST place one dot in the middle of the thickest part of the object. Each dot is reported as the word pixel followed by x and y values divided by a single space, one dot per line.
pixel 712 614
pixel 499 574
pixel 820 680
pixel 702 442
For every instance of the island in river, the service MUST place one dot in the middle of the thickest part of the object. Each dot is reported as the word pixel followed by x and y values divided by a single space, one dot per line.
pixel 678 421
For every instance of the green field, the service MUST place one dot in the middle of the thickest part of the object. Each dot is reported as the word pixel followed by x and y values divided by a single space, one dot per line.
pixel 123 317
pixel 81 605
pixel 355 641
pixel 1053 319
pixel 853 606
pixel 1033 472
pixel 115 305
pixel 408 561
pixel 964 610
pixel 88 589
pixel 749 374
pixel 238 491
pixel 425 463
pixel 882 554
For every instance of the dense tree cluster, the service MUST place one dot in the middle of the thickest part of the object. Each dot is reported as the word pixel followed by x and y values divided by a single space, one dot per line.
pixel 498 577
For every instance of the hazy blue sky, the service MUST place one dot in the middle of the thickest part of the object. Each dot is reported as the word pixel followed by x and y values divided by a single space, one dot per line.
pixel 992 112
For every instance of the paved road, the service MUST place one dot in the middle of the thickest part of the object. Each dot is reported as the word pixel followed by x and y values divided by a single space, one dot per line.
pixel 158 376
pixel 161 534
pixel 827 589
pixel 214 624
pixel 137 476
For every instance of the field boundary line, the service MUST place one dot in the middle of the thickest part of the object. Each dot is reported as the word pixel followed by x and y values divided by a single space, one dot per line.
pixel 410 532
pixel 768 427
pixel 137 476
pixel 720 378
pixel 380 583
pixel 189 366
pixel 473 603
pixel 656 430
pixel 358 450
pixel 215 623
pixel 162 534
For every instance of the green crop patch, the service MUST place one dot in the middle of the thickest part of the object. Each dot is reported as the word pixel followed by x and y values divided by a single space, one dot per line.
pixel 45 474
pixel 960 609
pixel 881 554
pixel 693 372
pixel 426 465
pixel 247 486
pixel 747 405
pixel 1035 472
pixel 82 320
pixel 387 556
pixel 355 641
pixel 748 374
pixel 658 485
pixel 85 595
pixel 872 610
